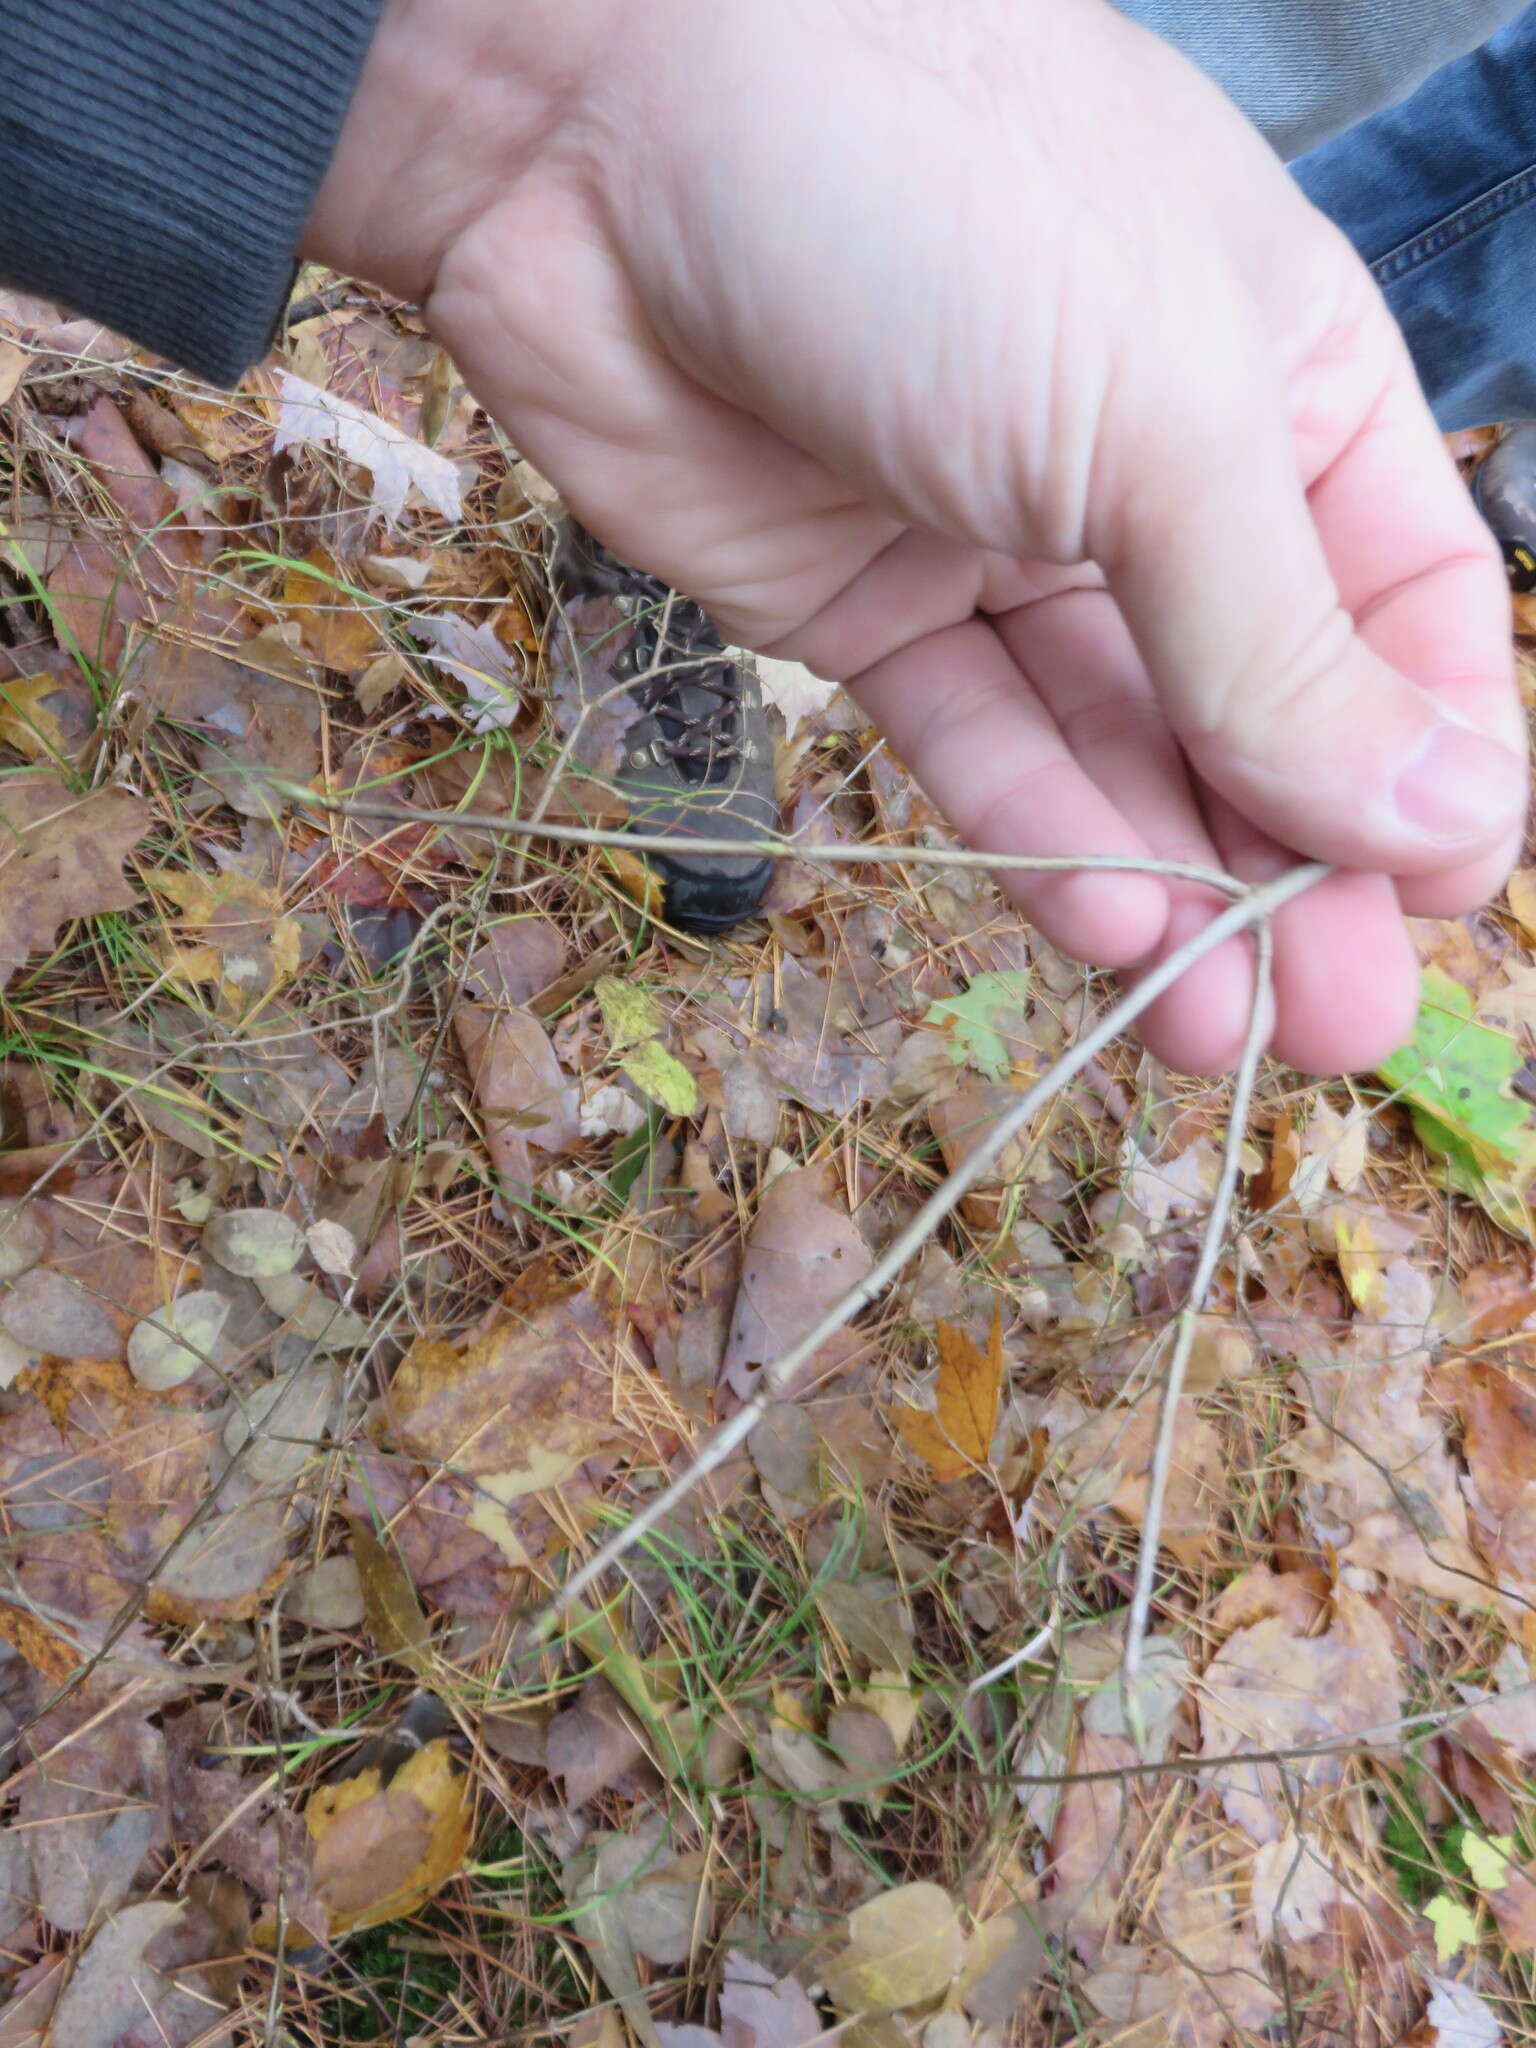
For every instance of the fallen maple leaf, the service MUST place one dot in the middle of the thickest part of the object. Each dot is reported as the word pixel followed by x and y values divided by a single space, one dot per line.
pixel 955 1436
pixel 310 417
pixel 61 857
pixel 246 949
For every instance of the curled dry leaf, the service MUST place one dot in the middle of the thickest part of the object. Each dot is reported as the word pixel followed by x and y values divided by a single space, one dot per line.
pixel 62 858
pixel 1498 1420
pixel 492 674
pixel 803 1250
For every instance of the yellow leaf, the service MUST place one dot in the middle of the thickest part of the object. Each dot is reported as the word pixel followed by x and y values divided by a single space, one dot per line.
pixel 381 1851
pixel 1360 1259
pixel 248 948
pixel 662 1077
pixel 957 1435
pixel 1455 1927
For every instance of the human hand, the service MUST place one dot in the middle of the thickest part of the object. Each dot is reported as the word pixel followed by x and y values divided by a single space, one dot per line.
pixel 985 359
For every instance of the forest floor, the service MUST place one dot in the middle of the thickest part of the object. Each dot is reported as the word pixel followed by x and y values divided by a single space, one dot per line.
pixel 390 1209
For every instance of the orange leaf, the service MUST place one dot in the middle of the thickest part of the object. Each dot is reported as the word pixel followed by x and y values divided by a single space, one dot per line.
pixel 956 1436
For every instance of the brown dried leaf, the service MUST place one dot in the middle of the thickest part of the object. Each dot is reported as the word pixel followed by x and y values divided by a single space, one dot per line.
pixel 335 631
pixel 93 1805
pixel 592 1746
pixel 240 1818
pixel 241 942
pixel 390 1605
pixel 1110 1456
pixel 118 1997
pixel 228 1567
pixel 1269 1689
pixel 1497 1408
pixel 803 1251
pixel 525 1096
pixel 1379 1464
pixel 61 857
pixel 526 1401
pixel 1205 1984
pixel 759 2011
pixel 521 957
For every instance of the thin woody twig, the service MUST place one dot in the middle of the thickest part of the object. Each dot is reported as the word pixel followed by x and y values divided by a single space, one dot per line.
pixel 1260 1024
pixel 1254 908
pixel 778 849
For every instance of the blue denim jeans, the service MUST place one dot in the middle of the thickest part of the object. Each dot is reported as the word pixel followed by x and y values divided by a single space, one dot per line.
pixel 1439 197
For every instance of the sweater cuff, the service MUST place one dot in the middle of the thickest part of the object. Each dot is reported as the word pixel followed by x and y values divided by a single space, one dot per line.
pixel 158 163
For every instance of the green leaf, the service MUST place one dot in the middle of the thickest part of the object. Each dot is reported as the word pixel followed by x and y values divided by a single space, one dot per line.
pixel 1455 1075
pixel 629 1011
pixel 631 1153
pixel 666 1080
pixel 981 1023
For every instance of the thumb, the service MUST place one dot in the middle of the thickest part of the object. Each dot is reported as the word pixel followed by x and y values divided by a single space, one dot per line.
pixel 1336 661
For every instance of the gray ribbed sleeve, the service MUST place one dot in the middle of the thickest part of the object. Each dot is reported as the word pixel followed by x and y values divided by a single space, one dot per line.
pixel 159 159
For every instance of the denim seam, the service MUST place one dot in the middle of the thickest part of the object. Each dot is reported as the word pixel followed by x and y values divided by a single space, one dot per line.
pixel 1457 227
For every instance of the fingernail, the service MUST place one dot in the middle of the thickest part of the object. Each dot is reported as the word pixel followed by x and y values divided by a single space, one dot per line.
pixel 1461 785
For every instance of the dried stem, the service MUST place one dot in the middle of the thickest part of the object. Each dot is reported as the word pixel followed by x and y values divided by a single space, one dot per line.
pixel 1254 908
pixel 778 849
pixel 1213 1238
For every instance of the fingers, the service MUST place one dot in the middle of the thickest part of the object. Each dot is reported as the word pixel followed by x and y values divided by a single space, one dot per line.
pixel 1345 976
pixel 1389 747
pixel 978 739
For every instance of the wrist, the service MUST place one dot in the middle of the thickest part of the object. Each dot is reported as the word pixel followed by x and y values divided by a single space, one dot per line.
pixel 457 100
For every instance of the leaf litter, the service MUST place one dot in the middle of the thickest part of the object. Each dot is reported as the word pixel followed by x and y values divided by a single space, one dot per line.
pixel 356 1279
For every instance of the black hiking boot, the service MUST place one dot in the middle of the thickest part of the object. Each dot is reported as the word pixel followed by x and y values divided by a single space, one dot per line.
pixel 697 759
pixel 1505 491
